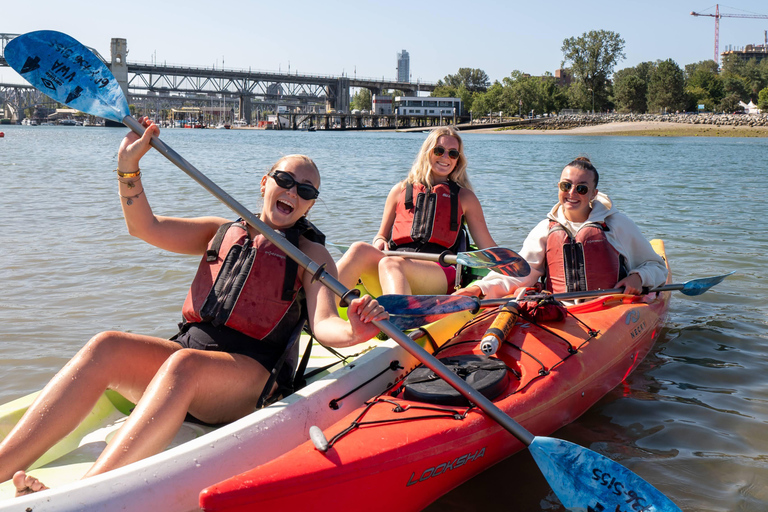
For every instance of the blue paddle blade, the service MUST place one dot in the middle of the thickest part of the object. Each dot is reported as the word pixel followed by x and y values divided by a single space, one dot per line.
pixel 68 72
pixel 412 311
pixel 699 286
pixel 500 259
pixel 585 481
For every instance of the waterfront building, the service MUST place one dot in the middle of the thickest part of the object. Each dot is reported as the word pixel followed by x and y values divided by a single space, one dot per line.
pixel 382 104
pixel 403 67
pixel 427 106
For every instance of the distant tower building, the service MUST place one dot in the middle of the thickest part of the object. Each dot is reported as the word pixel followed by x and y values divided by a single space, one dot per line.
pixel 403 67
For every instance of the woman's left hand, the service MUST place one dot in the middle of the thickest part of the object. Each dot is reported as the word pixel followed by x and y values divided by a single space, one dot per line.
pixel 361 313
pixel 633 284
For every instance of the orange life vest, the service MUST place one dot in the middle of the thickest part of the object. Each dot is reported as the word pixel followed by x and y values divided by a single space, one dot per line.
pixel 253 288
pixel 585 262
pixel 431 223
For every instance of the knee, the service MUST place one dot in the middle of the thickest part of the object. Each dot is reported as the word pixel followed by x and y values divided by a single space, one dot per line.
pixel 391 264
pixel 363 250
pixel 186 361
pixel 104 344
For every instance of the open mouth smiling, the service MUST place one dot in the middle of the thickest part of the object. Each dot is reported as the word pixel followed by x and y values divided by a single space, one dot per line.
pixel 284 206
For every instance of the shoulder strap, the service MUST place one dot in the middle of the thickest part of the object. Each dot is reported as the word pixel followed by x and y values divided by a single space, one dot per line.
pixel 455 189
pixel 212 253
pixel 305 228
pixel 408 196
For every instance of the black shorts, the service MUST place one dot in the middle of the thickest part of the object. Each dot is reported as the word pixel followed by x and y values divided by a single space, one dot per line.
pixel 205 336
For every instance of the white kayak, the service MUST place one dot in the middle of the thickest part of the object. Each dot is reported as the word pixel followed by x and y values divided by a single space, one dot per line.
pixel 201 455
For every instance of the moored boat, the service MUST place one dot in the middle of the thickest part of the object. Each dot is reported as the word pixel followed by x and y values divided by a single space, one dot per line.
pixel 415 442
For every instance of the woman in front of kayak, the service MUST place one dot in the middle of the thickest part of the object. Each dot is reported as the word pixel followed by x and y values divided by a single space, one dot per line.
pixel 585 243
pixel 425 212
pixel 217 366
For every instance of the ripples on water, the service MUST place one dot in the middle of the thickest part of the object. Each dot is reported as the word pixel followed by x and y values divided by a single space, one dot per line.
pixel 691 420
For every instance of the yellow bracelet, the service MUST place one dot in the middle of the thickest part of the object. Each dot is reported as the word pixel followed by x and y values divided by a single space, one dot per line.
pixel 128 174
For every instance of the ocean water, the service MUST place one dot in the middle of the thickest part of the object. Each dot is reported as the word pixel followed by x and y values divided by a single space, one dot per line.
pixel 691 420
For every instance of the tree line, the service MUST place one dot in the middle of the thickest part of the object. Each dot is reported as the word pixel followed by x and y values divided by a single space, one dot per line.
pixel 589 62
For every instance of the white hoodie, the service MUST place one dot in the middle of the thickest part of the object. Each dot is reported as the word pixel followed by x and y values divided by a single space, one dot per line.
pixel 623 234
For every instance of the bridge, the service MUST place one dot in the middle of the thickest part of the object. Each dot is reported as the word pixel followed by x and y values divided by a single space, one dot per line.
pixel 161 86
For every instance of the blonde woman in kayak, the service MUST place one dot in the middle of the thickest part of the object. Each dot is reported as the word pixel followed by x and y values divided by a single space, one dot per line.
pixel 585 243
pixel 218 365
pixel 423 213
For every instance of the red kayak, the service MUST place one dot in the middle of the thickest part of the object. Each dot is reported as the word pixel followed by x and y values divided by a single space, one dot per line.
pixel 417 440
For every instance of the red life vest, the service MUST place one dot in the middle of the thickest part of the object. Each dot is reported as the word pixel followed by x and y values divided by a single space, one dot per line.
pixel 253 288
pixel 585 262
pixel 431 223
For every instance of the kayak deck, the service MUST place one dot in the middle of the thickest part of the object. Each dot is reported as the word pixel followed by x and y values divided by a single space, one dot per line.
pixel 419 451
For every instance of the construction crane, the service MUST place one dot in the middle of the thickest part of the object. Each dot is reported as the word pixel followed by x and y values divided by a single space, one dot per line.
pixel 717 17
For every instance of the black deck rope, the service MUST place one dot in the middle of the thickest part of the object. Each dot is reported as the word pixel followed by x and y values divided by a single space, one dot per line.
pixel 441 413
pixel 393 366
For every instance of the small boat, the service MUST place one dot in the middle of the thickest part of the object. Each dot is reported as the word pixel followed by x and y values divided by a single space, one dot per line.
pixel 202 455
pixel 418 438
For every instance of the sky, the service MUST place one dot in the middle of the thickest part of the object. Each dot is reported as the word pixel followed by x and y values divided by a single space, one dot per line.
pixel 362 38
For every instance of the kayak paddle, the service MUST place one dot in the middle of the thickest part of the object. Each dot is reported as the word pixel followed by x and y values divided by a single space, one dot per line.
pixel 65 70
pixel 503 261
pixel 411 311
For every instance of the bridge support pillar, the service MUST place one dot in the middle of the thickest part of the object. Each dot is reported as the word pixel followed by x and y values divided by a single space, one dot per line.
pixel 119 67
pixel 244 104
pixel 338 95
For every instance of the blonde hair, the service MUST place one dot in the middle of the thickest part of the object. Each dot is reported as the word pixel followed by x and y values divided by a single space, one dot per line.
pixel 421 170
pixel 304 159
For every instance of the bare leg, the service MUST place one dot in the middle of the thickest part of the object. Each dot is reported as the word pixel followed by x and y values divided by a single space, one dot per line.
pixel 121 361
pixel 405 277
pixel 214 386
pixel 361 261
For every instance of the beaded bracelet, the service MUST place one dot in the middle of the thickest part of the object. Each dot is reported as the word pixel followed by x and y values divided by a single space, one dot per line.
pixel 130 183
pixel 128 174
pixel 129 199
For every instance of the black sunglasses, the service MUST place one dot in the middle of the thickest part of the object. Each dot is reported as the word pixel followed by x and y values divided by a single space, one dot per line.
pixel 453 154
pixel 286 180
pixel 581 189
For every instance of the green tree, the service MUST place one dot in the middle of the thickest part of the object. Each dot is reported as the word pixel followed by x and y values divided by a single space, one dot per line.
pixel 630 89
pixel 362 100
pixel 730 104
pixel 491 101
pixel 762 100
pixel 593 56
pixel 474 80
pixel 450 91
pixel 703 84
pixel 666 88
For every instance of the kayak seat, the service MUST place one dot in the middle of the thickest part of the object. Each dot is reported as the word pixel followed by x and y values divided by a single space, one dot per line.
pixel 488 375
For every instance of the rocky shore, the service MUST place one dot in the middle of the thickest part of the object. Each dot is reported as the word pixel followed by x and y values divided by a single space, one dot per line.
pixel 567 122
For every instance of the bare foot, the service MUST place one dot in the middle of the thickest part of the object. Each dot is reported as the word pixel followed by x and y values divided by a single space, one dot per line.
pixel 26 484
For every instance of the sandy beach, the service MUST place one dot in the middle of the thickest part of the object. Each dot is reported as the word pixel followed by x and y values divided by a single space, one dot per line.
pixel 644 128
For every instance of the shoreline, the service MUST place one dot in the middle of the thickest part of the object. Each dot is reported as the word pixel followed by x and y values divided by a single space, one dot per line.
pixel 640 129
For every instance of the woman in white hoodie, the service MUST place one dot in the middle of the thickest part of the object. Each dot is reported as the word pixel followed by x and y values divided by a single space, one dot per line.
pixel 583 244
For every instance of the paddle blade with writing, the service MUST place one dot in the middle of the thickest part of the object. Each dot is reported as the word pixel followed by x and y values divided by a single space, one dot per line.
pixel 585 481
pixel 68 72
pixel 500 259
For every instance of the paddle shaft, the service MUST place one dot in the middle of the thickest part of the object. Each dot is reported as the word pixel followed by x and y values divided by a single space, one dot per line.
pixel 425 256
pixel 336 287
pixel 486 303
